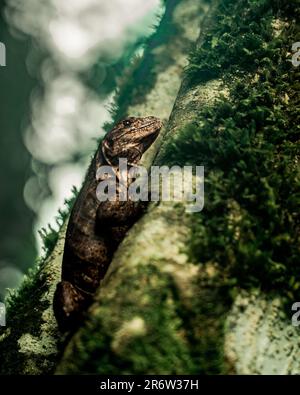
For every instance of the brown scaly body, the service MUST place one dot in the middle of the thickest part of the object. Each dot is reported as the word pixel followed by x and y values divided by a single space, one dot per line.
pixel 96 228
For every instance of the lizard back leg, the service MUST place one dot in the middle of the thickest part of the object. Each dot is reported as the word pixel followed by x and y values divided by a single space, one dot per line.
pixel 69 302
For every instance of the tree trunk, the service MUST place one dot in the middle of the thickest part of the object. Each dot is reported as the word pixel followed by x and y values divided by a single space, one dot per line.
pixel 198 292
pixel 31 343
pixel 169 306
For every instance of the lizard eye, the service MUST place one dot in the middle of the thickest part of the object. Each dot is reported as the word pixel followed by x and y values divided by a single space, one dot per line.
pixel 127 122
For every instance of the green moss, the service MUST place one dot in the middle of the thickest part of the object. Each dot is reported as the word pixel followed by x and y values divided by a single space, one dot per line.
pixel 33 279
pixel 142 341
pixel 49 236
pixel 146 327
pixel 249 144
pixel 21 316
pixel 240 38
pixel 249 229
pixel 204 322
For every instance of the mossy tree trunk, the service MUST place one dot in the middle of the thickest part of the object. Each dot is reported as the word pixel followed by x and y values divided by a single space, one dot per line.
pixel 31 343
pixel 203 292
pixel 207 292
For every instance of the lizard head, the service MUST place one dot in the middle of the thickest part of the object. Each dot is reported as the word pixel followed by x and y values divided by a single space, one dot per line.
pixel 130 138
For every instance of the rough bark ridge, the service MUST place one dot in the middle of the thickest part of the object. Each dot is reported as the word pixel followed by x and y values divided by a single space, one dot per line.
pixel 30 343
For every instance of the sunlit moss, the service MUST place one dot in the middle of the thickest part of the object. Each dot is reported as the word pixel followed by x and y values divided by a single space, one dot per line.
pixel 241 38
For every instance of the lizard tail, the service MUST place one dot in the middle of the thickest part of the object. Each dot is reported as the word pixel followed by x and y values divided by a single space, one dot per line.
pixel 68 305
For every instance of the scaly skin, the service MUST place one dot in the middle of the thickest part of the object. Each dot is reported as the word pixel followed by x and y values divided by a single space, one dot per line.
pixel 95 228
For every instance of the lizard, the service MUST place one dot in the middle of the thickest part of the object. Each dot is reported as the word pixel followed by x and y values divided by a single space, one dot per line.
pixel 95 228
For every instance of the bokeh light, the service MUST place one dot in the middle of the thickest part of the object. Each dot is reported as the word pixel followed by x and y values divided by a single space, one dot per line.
pixel 66 114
